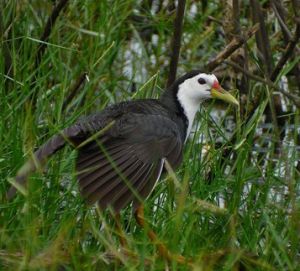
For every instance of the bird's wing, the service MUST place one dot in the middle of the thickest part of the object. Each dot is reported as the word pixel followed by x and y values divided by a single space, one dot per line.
pixel 123 164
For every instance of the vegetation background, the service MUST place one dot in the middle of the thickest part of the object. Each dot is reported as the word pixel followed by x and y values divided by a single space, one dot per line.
pixel 234 204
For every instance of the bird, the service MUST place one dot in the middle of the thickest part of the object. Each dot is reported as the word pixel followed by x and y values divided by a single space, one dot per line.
pixel 123 148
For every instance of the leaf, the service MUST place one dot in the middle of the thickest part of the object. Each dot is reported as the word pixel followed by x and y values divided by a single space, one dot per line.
pixel 252 123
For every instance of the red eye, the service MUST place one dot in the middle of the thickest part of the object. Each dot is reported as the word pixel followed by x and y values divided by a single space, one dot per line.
pixel 202 81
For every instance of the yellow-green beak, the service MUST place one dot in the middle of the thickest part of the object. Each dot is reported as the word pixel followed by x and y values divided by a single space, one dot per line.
pixel 222 94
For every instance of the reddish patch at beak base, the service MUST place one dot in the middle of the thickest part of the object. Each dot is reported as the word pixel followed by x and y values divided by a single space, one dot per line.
pixel 216 85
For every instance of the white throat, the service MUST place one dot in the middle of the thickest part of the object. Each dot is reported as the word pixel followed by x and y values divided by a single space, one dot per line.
pixel 189 104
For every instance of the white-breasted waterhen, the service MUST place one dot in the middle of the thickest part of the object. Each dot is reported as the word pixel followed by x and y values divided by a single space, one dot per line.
pixel 121 150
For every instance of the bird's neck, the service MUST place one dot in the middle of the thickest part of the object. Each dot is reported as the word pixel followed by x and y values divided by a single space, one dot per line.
pixel 190 108
pixel 182 106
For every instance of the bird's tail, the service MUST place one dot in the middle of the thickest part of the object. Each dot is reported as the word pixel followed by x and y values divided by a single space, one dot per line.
pixel 39 158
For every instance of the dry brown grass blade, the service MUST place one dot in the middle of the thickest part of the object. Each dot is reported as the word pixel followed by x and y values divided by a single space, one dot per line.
pixel 236 43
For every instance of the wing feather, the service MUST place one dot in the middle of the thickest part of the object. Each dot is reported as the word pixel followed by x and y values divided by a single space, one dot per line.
pixel 100 174
pixel 111 184
pixel 87 155
pixel 130 158
pixel 99 160
pixel 124 195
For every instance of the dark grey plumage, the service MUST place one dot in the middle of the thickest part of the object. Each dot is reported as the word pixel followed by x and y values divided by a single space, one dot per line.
pixel 121 164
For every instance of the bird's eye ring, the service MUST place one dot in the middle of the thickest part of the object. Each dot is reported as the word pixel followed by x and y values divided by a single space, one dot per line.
pixel 202 81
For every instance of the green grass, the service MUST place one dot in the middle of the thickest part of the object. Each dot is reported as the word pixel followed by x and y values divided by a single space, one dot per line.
pixel 225 213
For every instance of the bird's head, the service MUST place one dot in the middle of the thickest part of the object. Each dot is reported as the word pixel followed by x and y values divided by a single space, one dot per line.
pixel 196 87
pixel 187 93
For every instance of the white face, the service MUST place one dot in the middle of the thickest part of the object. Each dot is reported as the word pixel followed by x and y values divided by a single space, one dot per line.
pixel 192 92
pixel 198 88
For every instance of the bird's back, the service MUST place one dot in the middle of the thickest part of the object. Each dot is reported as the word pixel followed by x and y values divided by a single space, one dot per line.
pixel 113 112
